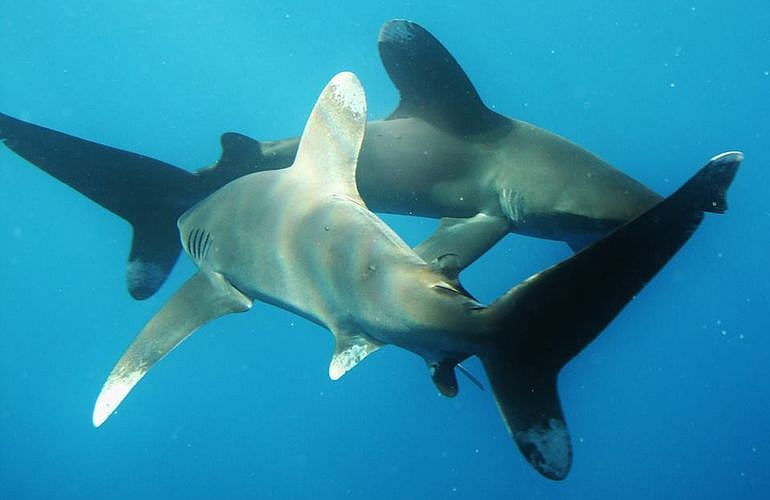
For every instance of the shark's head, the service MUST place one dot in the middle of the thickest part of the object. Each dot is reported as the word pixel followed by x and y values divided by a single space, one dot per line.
pixel 558 190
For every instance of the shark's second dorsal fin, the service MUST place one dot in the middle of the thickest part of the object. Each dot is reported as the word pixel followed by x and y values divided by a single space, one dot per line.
pixel 241 155
pixel 348 352
pixel 432 85
pixel 329 147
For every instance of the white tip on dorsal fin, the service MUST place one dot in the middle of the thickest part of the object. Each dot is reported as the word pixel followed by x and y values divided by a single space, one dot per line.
pixel 329 147
pixel 350 350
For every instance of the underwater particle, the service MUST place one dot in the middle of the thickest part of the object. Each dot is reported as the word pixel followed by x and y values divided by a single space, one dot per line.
pixel 723 332
pixel 672 85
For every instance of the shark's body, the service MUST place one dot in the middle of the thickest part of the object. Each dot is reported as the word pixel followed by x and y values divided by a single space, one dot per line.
pixel 441 154
pixel 302 238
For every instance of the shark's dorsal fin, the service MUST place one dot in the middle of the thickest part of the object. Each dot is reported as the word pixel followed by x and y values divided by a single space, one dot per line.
pixel 348 352
pixel 432 85
pixel 240 154
pixel 329 147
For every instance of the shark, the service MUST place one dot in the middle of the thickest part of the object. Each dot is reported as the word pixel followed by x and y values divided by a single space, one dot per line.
pixel 441 154
pixel 303 239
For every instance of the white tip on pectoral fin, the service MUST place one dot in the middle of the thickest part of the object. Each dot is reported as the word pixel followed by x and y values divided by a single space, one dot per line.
pixel 202 298
pixel 350 350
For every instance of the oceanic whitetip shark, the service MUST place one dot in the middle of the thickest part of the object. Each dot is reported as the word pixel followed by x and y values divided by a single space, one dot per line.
pixel 442 153
pixel 302 238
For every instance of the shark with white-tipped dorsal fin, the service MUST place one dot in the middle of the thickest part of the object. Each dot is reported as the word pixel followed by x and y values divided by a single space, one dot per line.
pixel 441 154
pixel 303 239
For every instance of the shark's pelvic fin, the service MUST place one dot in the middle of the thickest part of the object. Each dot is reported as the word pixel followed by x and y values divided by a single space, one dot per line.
pixel 550 319
pixel 202 298
pixel 349 351
pixel 431 83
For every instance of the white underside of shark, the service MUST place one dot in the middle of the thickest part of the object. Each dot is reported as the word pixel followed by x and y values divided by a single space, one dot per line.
pixel 302 238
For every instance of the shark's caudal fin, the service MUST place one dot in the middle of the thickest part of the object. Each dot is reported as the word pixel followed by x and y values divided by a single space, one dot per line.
pixel 204 297
pixel 148 193
pixel 431 83
pixel 549 318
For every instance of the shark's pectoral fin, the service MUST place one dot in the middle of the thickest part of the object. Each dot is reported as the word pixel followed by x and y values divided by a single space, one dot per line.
pixel 432 85
pixel 349 351
pixel 467 239
pixel 202 298
pixel 529 403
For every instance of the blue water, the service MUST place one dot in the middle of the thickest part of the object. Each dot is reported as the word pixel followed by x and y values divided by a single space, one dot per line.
pixel 671 401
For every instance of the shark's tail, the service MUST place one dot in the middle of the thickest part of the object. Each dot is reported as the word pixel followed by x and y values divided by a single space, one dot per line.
pixel 549 318
pixel 148 193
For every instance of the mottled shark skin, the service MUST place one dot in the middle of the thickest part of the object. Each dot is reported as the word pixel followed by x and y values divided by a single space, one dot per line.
pixel 442 153
pixel 303 239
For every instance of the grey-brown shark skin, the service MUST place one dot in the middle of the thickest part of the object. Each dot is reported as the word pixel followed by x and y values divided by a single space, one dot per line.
pixel 442 154
pixel 148 193
pixel 303 239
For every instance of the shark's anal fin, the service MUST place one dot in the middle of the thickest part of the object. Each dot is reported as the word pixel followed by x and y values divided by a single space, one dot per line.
pixel 432 85
pixel 443 375
pixel 348 352
pixel 202 298
pixel 148 193
pixel 467 238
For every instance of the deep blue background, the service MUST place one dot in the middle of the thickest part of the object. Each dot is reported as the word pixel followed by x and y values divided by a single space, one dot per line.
pixel 672 401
